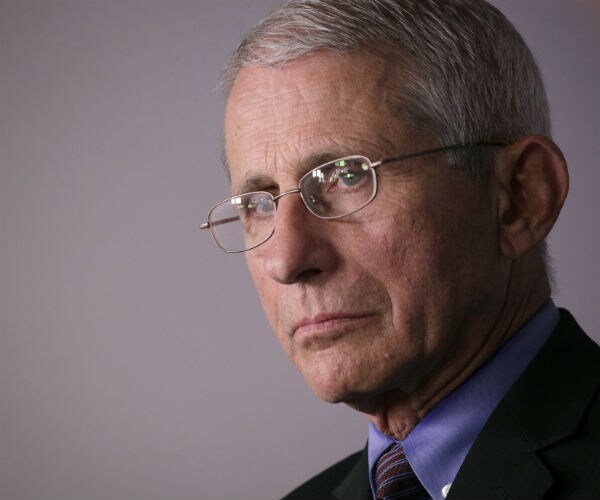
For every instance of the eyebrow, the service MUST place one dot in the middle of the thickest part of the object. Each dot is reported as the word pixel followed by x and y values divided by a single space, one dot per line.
pixel 257 182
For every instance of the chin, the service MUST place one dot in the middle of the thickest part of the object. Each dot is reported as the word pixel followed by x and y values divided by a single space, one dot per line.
pixel 330 390
pixel 336 389
pixel 355 388
pixel 336 378
pixel 335 397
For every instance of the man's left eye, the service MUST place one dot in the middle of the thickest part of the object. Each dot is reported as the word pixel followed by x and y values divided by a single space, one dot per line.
pixel 351 178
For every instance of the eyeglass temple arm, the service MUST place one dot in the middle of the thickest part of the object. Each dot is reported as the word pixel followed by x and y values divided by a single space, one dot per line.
pixel 208 225
pixel 491 142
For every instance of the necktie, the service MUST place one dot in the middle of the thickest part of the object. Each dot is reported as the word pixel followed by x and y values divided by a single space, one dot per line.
pixel 394 478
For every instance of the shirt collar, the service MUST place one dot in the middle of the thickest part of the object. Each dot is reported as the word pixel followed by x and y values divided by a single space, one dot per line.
pixel 438 445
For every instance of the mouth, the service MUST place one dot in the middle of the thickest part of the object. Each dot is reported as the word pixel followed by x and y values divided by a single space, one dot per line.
pixel 327 326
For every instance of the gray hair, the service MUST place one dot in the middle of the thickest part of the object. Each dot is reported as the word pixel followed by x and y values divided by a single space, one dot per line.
pixel 467 74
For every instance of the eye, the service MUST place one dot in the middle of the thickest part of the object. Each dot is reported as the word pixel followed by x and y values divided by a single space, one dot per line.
pixel 351 172
pixel 260 204
pixel 350 177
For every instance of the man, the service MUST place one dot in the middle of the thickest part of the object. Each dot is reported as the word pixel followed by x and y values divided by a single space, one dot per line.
pixel 393 182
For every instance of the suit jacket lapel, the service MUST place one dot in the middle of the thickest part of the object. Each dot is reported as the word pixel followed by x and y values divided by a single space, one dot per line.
pixel 499 461
pixel 355 486
pixel 543 407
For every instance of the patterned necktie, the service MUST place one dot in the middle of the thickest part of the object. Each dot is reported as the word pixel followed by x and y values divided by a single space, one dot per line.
pixel 394 477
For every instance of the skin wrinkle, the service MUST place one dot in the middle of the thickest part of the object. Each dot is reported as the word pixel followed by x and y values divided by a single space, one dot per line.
pixel 249 100
pixel 421 264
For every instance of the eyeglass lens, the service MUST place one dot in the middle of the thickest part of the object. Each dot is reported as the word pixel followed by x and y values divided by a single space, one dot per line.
pixel 332 190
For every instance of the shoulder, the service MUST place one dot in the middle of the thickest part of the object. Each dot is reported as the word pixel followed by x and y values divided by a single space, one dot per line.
pixel 544 436
pixel 322 485
pixel 560 390
pixel 574 459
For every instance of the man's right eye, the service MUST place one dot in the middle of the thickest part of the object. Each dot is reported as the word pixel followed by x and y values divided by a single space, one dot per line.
pixel 266 205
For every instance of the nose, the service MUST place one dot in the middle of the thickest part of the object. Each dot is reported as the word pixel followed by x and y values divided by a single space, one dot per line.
pixel 300 250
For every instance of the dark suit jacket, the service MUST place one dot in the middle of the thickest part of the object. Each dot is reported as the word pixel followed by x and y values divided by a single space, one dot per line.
pixel 542 441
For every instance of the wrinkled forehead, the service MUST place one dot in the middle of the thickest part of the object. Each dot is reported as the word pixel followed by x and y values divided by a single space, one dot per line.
pixel 317 106
pixel 321 72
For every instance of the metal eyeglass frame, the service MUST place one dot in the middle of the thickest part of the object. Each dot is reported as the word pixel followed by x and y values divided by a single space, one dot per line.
pixel 374 165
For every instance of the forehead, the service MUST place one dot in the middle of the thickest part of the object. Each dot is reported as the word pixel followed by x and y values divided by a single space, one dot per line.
pixel 280 120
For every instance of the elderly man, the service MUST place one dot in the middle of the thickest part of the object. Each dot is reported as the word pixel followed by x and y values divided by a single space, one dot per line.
pixel 393 182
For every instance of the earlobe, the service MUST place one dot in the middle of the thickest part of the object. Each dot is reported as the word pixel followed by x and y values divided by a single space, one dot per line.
pixel 533 182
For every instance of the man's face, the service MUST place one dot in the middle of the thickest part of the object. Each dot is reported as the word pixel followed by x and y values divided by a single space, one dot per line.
pixel 389 296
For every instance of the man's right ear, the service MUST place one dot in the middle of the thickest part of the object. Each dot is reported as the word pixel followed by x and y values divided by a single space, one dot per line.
pixel 533 182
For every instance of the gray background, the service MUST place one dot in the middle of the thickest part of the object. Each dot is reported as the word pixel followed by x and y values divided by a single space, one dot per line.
pixel 134 359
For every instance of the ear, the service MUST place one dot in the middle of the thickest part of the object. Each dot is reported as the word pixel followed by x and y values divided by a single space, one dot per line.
pixel 533 182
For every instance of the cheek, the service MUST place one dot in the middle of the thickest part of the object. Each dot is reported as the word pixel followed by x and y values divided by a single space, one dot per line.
pixel 390 249
pixel 270 294
pixel 435 236
pixel 430 256
pixel 266 288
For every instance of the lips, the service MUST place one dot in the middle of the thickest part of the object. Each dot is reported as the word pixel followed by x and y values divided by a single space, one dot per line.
pixel 327 324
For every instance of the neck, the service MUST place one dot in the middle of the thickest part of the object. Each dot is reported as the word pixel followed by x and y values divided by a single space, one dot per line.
pixel 396 412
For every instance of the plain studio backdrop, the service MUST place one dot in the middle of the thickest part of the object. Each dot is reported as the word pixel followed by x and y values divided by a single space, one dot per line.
pixel 135 362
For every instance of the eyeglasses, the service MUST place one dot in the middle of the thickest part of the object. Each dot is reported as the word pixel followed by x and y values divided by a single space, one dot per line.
pixel 335 189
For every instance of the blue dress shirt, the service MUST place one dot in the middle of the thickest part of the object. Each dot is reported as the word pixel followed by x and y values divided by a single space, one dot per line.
pixel 438 445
